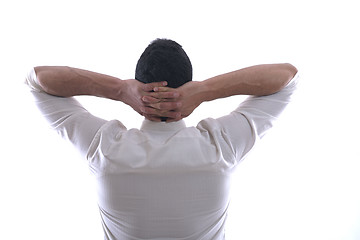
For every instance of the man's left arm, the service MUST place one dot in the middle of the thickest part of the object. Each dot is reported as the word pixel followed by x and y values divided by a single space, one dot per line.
pixel 67 82
pixel 53 88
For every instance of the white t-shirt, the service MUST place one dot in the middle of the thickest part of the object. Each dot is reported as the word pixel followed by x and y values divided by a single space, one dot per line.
pixel 164 180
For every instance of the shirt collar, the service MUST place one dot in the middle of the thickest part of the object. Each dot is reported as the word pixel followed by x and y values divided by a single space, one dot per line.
pixel 148 125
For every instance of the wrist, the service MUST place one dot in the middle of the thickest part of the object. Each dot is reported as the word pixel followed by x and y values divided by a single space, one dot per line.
pixel 107 87
pixel 121 90
pixel 209 89
pixel 128 91
pixel 192 94
pixel 114 91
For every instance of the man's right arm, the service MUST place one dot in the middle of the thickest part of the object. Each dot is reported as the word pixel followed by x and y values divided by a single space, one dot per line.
pixel 259 80
pixel 271 87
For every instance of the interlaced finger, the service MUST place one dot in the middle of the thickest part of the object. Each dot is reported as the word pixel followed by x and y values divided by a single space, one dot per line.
pixel 150 86
pixel 164 95
pixel 165 106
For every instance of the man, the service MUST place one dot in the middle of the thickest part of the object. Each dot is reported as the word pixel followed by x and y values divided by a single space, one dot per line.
pixel 164 180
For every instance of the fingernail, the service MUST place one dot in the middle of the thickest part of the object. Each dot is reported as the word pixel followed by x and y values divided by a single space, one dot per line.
pixel 176 94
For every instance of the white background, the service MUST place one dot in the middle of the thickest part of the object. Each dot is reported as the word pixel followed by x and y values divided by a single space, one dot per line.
pixel 301 182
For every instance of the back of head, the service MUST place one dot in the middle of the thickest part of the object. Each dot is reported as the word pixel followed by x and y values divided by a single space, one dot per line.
pixel 164 60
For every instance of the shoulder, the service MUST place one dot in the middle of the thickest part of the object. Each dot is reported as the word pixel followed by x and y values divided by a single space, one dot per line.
pixel 111 129
pixel 232 134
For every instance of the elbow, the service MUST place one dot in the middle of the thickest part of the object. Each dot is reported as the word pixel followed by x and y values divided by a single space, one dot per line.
pixel 43 77
pixel 291 70
pixel 38 74
pixel 286 73
pixel 39 71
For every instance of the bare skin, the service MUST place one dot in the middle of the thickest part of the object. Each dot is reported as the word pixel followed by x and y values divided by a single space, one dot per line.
pixel 155 101
pixel 67 82
pixel 259 80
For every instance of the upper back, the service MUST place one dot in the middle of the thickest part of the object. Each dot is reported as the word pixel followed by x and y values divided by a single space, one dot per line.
pixel 161 182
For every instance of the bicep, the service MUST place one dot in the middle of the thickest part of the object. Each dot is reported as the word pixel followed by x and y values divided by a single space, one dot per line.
pixel 238 133
pixel 80 129
pixel 69 118
pixel 232 135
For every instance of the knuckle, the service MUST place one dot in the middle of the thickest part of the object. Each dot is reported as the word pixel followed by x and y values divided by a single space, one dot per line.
pixel 163 105
pixel 166 106
pixel 147 87
pixel 149 110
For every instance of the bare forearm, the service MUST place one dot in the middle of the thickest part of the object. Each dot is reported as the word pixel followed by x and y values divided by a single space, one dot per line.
pixel 257 80
pixel 66 82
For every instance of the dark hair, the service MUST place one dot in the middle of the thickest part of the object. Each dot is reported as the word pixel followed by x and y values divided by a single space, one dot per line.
pixel 164 60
